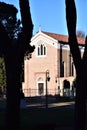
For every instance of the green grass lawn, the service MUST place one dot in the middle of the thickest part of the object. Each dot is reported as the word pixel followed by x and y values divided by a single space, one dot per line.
pixel 2 119
pixel 37 117
pixel 32 118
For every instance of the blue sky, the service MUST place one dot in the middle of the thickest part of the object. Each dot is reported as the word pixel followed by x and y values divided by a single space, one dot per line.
pixel 50 15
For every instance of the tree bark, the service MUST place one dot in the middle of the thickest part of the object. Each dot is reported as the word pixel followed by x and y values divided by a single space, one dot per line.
pixel 80 66
pixel 80 105
pixel 14 56
pixel 13 66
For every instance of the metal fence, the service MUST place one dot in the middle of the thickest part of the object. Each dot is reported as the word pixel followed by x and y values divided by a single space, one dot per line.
pixel 43 100
pixel 37 92
pixel 50 92
pixel 35 99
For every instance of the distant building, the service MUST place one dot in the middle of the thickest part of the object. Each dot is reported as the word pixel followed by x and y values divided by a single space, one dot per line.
pixel 52 53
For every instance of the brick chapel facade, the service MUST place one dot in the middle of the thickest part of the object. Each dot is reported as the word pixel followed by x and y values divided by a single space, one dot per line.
pixel 51 54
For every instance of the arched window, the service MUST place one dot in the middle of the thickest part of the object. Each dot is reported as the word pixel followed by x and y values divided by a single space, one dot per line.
pixel 38 50
pixel 41 50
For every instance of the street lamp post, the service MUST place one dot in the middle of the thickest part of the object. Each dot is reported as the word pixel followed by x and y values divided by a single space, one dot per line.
pixel 47 79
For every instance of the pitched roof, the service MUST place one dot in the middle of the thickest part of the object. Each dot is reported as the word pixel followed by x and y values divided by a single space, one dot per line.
pixel 63 38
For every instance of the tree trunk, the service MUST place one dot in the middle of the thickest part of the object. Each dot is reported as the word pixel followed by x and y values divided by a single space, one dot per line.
pixel 80 65
pixel 80 104
pixel 13 92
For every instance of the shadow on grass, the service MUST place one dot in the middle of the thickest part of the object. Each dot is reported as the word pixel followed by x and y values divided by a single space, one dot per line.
pixel 42 118
pixel 46 119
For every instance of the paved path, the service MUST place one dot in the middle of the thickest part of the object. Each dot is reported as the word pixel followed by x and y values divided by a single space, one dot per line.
pixel 64 128
pixel 61 104
pixel 67 104
pixel 43 105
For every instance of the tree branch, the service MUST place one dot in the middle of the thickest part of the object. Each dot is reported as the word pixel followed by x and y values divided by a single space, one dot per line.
pixel 4 39
pixel 71 18
pixel 85 51
pixel 25 36
pixel 26 18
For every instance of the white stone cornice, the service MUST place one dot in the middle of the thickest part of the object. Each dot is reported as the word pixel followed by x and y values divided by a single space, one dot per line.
pixel 40 36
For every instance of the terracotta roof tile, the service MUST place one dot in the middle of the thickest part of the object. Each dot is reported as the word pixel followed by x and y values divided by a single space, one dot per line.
pixel 63 38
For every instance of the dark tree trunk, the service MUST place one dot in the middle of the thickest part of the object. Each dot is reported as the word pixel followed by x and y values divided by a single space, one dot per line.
pixel 13 55
pixel 80 65
pixel 13 65
pixel 80 106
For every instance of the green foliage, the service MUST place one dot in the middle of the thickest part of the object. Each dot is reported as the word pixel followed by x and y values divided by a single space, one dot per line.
pixel 13 27
pixel 2 73
pixel 7 8
pixel 8 19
